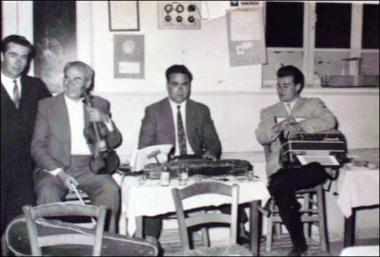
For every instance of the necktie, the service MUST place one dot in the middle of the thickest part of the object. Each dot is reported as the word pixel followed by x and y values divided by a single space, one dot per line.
pixel 181 132
pixel 16 94
pixel 289 107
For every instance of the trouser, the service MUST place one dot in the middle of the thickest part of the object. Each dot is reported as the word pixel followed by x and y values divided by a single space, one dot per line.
pixel 16 189
pixel 282 187
pixel 102 189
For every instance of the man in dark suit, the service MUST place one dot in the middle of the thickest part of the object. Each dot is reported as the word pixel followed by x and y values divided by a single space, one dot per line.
pixel 160 124
pixel 19 98
pixel 62 151
pixel 179 121
pixel 182 122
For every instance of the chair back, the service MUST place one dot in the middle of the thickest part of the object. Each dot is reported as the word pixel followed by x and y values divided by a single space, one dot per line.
pixel 202 218
pixel 34 215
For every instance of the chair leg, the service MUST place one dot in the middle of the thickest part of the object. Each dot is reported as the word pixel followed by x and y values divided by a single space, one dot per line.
pixel 277 232
pixel 268 245
pixel 323 235
pixel 205 237
pixel 307 204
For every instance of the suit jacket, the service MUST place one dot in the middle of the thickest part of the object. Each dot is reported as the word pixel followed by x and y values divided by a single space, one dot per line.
pixel 51 142
pixel 17 124
pixel 158 127
pixel 318 118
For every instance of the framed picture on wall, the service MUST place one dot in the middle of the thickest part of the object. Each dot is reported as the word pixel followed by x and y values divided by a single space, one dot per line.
pixel 129 56
pixel 124 15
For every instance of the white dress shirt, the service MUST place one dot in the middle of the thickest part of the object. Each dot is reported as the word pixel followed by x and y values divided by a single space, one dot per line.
pixel 289 106
pixel 9 85
pixel 75 110
pixel 173 106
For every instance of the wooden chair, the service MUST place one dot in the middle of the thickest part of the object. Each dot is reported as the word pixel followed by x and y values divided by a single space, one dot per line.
pixel 16 241
pixel 71 197
pixel 186 221
pixel 37 214
pixel 312 213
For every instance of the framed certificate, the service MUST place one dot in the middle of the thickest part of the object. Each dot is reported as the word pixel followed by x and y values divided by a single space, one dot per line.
pixel 124 15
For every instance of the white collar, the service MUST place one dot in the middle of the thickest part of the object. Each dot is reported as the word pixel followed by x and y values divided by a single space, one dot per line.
pixel 72 102
pixel 174 105
pixel 292 103
pixel 9 81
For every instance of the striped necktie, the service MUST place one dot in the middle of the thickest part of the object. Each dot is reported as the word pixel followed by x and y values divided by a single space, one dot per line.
pixel 288 107
pixel 16 94
pixel 181 133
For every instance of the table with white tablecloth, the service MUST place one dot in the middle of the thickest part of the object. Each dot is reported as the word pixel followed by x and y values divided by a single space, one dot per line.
pixel 150 199
pixel 358 187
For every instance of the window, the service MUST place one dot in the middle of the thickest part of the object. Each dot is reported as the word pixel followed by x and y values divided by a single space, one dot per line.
pixel 284 36
pixel 279 27
pixel 324 40
pixel 370 35
pixel 333 27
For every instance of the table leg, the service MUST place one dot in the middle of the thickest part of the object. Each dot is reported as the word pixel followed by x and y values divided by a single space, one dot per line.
pixel 254 227
pixel 139 227
pixel 349 230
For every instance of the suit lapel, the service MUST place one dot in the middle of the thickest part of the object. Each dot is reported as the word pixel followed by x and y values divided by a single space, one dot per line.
pixel 25 92
pixel 167 116
pixel 62 120
pixel 190 123
pixel 5 97
pixel 297 106
pixel 281 111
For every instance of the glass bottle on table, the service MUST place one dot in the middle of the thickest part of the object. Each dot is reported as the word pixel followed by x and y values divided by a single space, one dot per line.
pixel 183 174
pixel 165 175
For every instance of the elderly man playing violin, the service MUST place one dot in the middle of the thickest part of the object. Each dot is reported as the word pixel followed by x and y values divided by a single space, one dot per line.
pixel 65 143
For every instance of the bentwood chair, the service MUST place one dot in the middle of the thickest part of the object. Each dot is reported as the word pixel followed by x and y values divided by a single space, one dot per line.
pixel 313 212
pixel 37 214
pixel 186 221
pixel 28 235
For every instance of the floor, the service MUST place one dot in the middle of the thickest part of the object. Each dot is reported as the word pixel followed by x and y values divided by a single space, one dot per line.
pixel 281 246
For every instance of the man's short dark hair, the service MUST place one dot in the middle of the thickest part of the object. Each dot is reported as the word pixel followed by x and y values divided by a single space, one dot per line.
pixel 176 68
pixel 20 40
pixel 294 72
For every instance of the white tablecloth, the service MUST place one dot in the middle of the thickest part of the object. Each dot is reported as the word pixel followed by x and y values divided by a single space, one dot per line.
pixel 361 251
pixel 359 187
pixel 152 199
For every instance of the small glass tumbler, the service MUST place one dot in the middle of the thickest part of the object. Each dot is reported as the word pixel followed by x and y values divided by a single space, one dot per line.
pixel 142 179
pixel 165 176
pixel 183 177
pixel 250 175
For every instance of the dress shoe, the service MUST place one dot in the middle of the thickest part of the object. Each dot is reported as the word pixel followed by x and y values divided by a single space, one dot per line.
pixel 298 252
pixel 244 238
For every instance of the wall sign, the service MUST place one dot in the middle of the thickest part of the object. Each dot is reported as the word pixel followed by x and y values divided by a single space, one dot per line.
pixel 129 56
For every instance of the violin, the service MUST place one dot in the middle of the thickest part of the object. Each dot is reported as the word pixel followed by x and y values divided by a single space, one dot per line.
pixel 105 159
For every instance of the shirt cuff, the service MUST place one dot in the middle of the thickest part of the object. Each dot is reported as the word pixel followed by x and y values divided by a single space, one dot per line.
pixel 55 171
pixel 109 125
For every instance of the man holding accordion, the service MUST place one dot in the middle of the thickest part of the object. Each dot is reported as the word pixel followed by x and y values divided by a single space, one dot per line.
pixel 293 114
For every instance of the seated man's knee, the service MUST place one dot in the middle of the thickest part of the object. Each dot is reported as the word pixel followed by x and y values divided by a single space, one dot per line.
pixel 50 190
pixel 111 192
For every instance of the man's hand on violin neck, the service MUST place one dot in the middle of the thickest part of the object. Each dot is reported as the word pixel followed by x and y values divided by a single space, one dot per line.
pixel 96 115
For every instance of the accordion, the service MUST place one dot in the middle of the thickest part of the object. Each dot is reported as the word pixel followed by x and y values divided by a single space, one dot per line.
pixel 200 167
pixel 328 148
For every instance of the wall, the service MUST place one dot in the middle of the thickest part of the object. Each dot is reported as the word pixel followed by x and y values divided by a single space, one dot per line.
pixel 233 94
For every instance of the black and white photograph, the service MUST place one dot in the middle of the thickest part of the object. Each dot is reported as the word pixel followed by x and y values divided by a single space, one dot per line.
pixel 190 128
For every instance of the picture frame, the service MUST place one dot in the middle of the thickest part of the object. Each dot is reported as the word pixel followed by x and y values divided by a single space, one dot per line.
pixel 124 16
